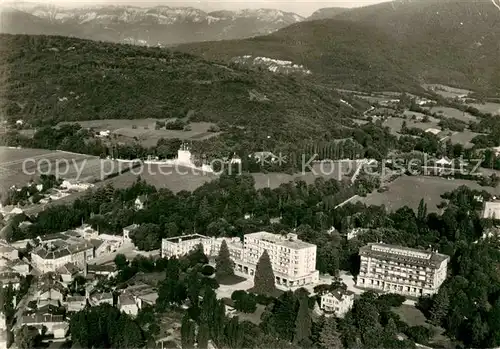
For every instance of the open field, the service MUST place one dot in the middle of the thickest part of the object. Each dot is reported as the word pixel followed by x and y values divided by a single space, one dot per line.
pixel 327 171
pixel 447 91
pixel 414 317
pixel 395 124
pixel 145 131
pixel 463 138
pixel 19 166
pixel 493 108
pixel 408 190
pixel 453 113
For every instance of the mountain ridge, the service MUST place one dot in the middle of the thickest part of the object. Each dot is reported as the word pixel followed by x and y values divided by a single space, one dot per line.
pixel 158 25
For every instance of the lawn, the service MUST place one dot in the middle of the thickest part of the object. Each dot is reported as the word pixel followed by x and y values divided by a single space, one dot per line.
pixel 408 190
pixel 230 280
pixel 145 131
pixel 414 317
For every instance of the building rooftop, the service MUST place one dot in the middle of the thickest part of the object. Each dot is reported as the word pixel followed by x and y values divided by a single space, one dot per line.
pixel 403 254
pixel 101 296
pixel 491 209
pixel 339 293
pixel 68 269
pixel 75 299
pixel 125 299
pixel 60 248
pixel 42 318
pixel 182 238
pixel 101 268
pixel 289 240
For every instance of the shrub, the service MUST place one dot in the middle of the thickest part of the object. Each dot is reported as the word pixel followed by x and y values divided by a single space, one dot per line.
pixel 208 270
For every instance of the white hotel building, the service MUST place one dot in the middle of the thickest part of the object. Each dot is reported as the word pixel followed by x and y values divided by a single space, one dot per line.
pixel 293 260
pixel 402 270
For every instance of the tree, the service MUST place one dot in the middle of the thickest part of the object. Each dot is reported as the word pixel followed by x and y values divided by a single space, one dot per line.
pixel 303 322
pixel 329 337
pixel 224 266
pixel 121 261
pixel 264 276
pixel 439 307
pixel 27 337
pixel 203 336
pixel 187 332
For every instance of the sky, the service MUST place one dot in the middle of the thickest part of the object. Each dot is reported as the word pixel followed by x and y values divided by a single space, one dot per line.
pixel 301 7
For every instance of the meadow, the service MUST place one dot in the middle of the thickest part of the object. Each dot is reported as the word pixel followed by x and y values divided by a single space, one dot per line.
pixel 448 112
pixel 143 130
pixel 493 108
pixel 409 190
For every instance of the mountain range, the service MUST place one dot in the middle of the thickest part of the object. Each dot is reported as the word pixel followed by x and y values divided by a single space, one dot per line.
pixel 390 45
pixel 160 25
pixel 396 45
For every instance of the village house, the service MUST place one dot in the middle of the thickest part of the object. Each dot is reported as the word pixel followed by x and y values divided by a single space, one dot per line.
pixel 75 303
pixel 68 272
pixel 55 324
pixel 19 267
pixel 127 304
pixel 338 301
pixel 51 291
pixel 101 298
pixel 107 270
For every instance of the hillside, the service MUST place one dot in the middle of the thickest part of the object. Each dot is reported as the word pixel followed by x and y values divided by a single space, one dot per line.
pixel 51 79
pixel 160 25
pixel 452 41
pixel 342 53
pixel 327 12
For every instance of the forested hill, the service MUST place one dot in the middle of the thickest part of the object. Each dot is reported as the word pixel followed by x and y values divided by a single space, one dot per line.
pixel 454 42
pixel 48 79
pixel 342 53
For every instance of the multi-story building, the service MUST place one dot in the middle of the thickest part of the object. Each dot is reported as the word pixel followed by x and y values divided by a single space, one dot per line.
pixel 181 245
pixel 338 301
pixel 50 256
pixel 293 261
pixel 402 270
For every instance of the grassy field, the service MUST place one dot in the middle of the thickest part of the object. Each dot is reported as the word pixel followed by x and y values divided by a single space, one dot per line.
pixel 408 190
pixel 18 166
pixel 145 131
pixel 493 108
pixel 453 113
pixel 463 138
pixel 414 317
pixel 447 91
pixel 395 124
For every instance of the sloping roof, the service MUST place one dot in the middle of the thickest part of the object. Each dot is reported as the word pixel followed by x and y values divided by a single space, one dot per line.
pixel 125 299
pixel 68 269
pixel 102 296
pixel 42 318
pixel 402 254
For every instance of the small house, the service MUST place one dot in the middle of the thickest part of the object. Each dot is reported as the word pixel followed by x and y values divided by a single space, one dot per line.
pixel 75 303
pixel 126 304
pixel 339 302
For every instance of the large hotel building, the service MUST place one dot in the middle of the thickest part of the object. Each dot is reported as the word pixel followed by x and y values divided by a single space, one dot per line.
pixel 406 271
pixel 293 260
